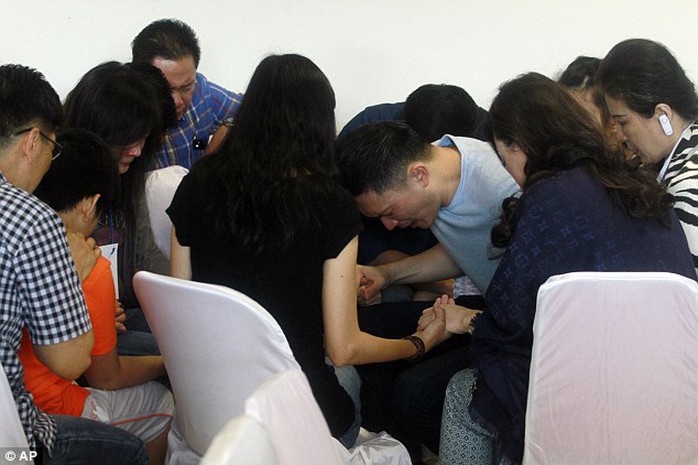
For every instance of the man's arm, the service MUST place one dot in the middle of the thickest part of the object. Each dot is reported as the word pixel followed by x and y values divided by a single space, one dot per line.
pixel 431 265
pixel 67 359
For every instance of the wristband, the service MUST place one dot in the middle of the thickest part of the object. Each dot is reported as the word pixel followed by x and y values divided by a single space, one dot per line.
pixel 419 344
pixel 471 326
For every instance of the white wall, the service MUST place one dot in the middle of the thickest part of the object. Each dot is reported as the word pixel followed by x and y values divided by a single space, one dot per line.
pixel 372 51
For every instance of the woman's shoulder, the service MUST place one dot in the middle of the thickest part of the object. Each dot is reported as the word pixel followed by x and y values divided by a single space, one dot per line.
pixel 564 186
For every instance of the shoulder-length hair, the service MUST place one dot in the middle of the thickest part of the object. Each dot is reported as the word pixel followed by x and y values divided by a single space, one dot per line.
pixel 278 156
pixel 117 103
pixel 556 133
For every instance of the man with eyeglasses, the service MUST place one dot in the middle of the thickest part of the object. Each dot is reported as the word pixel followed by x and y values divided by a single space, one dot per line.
pixel 204 109
pixel 40 274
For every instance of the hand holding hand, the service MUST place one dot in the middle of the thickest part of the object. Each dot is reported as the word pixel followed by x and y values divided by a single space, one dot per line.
pixel 370 281
pixel 434 331
pixel 457 317
pixel 84 252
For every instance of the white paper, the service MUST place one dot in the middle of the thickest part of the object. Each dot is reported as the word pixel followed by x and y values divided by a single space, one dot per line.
pixel 110 252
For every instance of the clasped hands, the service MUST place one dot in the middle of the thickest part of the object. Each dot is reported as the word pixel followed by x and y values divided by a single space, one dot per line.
pixel 457 318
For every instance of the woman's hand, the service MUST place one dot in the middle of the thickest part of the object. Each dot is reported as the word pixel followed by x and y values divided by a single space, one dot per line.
pixel 457 318
pixel 370 280
pixel 434 331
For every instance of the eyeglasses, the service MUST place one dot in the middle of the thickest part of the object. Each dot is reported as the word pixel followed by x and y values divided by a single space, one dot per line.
pixel 57 148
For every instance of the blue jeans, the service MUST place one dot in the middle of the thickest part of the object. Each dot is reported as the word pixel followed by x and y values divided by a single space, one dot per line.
pixel 81 441
pixel 349 379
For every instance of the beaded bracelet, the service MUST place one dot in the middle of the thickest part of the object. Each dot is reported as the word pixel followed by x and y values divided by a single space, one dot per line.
pixel 471 326
pixel 419 344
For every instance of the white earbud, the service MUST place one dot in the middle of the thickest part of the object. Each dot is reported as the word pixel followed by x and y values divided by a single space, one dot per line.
pixel 666 125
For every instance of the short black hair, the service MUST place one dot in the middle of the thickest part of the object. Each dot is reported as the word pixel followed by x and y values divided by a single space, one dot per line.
pixel 26 99
pixel 437 109
pixel 375 156
pixel 171 39
pixel 581 73
pixel 84 168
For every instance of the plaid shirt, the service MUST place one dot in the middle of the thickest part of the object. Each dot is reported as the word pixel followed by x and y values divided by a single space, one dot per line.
pixel 39 289
pixel 210 105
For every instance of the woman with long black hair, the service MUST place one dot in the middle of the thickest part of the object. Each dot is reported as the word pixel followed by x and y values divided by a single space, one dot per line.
pixel 266 216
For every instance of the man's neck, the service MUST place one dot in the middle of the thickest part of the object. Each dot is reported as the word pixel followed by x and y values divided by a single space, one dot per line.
pixel 446 170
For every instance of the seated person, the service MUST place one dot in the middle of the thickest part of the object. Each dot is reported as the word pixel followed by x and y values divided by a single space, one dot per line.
pixel 580 80
pixel 80 183
pixel 602 213
pixel 204 109
pixel 432 110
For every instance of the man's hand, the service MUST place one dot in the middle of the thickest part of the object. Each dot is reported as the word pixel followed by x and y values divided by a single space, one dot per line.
pixel 120 318
pixel 370 281
pixel 84 252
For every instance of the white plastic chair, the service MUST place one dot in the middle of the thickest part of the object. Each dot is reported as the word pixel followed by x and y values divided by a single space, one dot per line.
pixel 218 346
pixel 160 187
pixel 243 441
pixel 11 431
pixel 614 371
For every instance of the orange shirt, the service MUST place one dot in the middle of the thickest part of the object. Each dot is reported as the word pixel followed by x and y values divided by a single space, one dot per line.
pixel 57 395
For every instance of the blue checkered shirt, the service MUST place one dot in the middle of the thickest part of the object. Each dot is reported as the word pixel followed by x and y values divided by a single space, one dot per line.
pixel 210 105
pixel 39 289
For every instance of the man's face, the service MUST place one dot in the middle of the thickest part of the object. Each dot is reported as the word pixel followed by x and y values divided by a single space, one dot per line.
pixel 181 74
pixel 404 207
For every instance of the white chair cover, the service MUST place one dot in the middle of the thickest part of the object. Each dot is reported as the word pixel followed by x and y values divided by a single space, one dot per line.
pixel 299 433
pixel 160 187
pixel 243 441
pixel 375 449
pixel 614 371
pixel 11 430
pixel 218 346
pixel 286 407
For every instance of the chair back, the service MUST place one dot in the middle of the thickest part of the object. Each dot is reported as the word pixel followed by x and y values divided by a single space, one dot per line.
pixel 218 346
pixel 11 431
pixel 243 441
pixel 286 407
pixel 614 370
pixel 160 188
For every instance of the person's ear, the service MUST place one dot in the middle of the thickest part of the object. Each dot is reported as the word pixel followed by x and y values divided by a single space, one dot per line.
pixel 420 173
pixel 30 145
pixel 664 114
pixel 88 208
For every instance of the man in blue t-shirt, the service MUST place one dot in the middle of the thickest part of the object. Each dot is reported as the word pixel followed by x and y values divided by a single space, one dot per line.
pixel 432 110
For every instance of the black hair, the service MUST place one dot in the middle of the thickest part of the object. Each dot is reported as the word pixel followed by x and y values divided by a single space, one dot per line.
pixel 278 157
pixel 118 103
pixel 557 134
pixel 26 99
pixel 170 39
pixel 375 156
pixel 163 93
pixel 437 109
pixel 581 73
pixel 643 73
pixel 84 168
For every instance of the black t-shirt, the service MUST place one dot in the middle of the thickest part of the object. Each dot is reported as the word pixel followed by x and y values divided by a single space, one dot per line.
pixel 287 283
